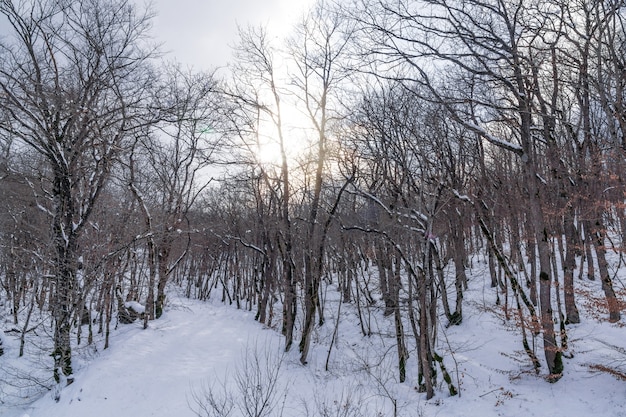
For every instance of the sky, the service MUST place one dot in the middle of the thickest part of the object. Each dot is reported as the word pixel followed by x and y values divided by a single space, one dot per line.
pixel 199 33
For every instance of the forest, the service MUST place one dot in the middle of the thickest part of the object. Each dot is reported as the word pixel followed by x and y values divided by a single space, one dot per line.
pixel 383 147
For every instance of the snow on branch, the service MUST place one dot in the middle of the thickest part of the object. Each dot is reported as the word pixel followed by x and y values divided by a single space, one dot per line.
pixel 492 139
pixel 462 197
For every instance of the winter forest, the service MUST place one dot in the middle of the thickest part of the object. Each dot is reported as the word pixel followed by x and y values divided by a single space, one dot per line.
pixel 367 171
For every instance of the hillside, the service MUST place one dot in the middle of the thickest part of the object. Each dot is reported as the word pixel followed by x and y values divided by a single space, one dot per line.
pixel 164 370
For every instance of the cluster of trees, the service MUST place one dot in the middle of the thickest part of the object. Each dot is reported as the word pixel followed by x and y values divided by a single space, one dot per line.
pixel 430 132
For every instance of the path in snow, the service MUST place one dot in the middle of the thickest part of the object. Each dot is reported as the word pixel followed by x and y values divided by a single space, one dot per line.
pixel 153 371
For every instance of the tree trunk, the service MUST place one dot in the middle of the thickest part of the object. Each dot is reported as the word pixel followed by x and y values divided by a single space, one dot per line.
pixel 607 283
pixel 164 249
pixel 311 294
pixel 384 280
pixel 571 311
pixel 461 278
pixel 401 346
pixel 551 350
pixel 65 274
pixel 424 351
pixel 588 243
pixel 289 287
pixel 532 260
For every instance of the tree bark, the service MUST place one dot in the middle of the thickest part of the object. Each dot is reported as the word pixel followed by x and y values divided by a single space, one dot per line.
pixel 605 277
pixel 571 311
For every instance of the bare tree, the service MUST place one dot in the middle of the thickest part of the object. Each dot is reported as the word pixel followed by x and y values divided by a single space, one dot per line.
pixel 259 97
pixel 73 77
pixel 257 389
pixel 486 45
pixel 174 158
pixel 318 51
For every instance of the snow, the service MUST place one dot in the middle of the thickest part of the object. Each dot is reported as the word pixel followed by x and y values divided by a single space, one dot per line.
pixel 494 140
pixel 157 371
pixel 135 306
pixel 150 372
pixel 462 197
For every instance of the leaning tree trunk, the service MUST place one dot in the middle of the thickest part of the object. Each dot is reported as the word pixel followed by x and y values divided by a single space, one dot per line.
pixel 607 284
pixel 314 255
pixel 540 231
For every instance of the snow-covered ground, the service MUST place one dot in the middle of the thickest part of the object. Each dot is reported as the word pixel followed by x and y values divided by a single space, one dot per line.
pixel 165 369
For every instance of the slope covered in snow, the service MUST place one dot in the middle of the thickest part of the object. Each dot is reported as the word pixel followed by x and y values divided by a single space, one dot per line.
pixel 167 369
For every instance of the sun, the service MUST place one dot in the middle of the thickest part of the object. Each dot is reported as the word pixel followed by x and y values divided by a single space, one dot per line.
pixel 269 154
pixel 297 134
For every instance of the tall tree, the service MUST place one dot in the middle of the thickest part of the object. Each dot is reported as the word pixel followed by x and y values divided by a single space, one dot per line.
pixel 259 98
pixel 73 77
pixel 485 45
pixel 174 158
pixel 318 50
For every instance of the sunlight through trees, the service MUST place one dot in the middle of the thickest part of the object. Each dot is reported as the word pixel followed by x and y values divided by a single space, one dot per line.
pixel 381 149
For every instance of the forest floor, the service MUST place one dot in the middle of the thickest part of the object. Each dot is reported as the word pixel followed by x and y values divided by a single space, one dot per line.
pixel 199 350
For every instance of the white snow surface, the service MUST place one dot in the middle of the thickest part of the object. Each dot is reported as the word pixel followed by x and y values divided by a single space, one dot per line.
pixel 154 372
pixel 137 307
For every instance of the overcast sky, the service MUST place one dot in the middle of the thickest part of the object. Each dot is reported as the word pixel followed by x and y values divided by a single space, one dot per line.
pixel 199 32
